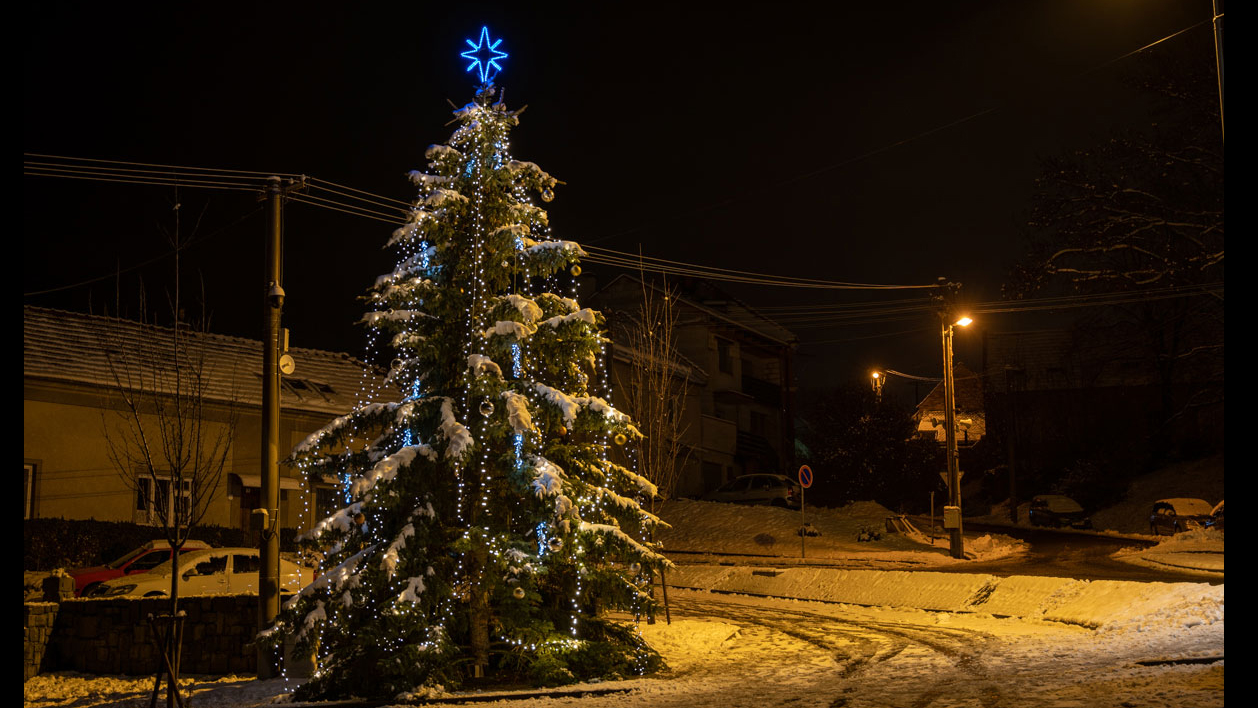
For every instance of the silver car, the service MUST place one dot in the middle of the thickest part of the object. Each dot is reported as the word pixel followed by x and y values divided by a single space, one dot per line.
pixel 209 572
pixel 772 489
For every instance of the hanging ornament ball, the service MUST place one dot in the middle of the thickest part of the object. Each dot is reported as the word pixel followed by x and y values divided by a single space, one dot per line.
pixel 575 270
pixel 562 431
pixel 397 364
pixel 554 544
pixel 486 407
pixel 360 519
pixel 519 593
pixel 620 439
pixel 548 194
pixel 635 568
pixel 505 264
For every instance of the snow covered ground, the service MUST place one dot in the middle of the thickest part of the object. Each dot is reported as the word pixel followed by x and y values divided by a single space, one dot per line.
pixel 813 635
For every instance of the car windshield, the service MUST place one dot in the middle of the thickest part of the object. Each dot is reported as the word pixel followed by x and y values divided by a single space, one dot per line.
pixel 114 565
pixel 164 568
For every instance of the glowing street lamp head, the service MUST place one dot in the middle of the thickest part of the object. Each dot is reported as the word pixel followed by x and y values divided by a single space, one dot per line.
pixel 964 321
pixel 484 56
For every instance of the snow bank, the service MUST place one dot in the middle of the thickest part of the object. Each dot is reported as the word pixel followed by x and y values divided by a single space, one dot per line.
pixel 1095 604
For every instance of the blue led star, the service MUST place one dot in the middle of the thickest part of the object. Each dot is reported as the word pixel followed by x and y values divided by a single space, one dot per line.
pixel 485 55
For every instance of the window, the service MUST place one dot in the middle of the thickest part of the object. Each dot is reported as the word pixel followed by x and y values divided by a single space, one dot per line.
pixel 214 565
pixel 246 563
pixel 153 500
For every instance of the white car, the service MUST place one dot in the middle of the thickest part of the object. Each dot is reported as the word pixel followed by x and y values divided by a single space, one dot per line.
pixel 208 572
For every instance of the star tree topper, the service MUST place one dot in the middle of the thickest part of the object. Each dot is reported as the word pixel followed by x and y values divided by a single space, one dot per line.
pixel 484 55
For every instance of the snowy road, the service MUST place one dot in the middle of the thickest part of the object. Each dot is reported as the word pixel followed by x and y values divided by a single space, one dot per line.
pixel 735 651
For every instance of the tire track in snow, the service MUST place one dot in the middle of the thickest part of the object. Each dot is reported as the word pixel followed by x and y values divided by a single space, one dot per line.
pixel 858 645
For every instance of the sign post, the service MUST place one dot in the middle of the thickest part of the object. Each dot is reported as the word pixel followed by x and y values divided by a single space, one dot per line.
pixel 805 481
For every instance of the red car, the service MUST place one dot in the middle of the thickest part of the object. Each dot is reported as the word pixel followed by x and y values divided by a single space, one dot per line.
pixel 141 560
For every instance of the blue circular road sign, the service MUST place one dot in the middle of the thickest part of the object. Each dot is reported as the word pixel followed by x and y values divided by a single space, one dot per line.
pixel 805 476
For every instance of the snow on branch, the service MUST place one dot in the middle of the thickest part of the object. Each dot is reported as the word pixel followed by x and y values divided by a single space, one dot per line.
pixel 392 316
pixel 386 469
pixel 509 328
pixel 481 365
pixel 460 439
pixel 548 477
pixel 442 198
pixel 585 315
pixel 427 181
pixel 527 308
pixel 623 539
pixel 518 412
pixel 334 579
pixel 570 406
pixel 338 425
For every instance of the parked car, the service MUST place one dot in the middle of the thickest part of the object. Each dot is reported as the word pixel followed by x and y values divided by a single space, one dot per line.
pixel 1174 516
pixel 1056 511
pixel 773 489
pixel 140 560
pixel 213 571
pixel 1216 517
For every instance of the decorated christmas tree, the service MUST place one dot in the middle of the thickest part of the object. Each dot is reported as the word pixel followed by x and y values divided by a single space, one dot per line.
pixel 487 523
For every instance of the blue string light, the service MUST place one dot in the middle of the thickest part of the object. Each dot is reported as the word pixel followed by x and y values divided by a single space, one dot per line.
pixel 485 55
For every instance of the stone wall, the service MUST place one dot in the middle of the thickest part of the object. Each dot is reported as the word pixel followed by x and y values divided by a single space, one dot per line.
pixel 37 623
pixel 113 635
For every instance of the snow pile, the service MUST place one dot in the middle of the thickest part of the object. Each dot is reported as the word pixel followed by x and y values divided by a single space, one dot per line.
pixel 717 528
pixel 1092 604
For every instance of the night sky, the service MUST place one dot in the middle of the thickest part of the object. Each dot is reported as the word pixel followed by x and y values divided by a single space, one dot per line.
pixel 863 144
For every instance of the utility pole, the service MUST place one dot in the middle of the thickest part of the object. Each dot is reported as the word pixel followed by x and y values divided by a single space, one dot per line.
pixel 952 512
pixel 1218 56
pixel 269 514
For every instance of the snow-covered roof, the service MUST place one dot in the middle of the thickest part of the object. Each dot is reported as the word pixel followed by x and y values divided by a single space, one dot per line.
pixel 76 348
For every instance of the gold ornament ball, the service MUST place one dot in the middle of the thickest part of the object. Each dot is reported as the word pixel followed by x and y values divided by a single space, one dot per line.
pixel 548 194
pixel 575 270
pixel 620 439
pixel 562 431
pixel 519 593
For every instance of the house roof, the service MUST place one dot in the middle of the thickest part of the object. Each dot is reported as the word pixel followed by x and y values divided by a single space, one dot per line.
pixel 71 347
pixel 967 388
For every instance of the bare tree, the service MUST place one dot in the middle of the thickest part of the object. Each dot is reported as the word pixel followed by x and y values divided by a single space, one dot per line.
pixel 169 439
pixel 656 395
pixel 656 389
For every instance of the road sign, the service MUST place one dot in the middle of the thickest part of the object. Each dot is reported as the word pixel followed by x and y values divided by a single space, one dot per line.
pixel 805 476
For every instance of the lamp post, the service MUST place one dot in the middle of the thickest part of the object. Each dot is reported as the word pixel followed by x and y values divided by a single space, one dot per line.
pixel 952 515
pixel 876 379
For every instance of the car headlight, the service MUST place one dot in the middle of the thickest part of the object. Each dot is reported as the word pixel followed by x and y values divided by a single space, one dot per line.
pixel 119 590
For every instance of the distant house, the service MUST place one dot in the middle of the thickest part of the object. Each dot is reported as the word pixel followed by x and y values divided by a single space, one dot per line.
pixel 69 392
pixel 971 418
pixel 740 401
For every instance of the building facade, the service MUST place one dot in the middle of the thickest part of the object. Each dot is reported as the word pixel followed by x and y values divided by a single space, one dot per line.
pixel 739 410
pixel 75 368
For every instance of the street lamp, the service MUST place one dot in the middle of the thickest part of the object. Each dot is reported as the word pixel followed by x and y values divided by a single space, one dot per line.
pixel 952 512
pixel 877 380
